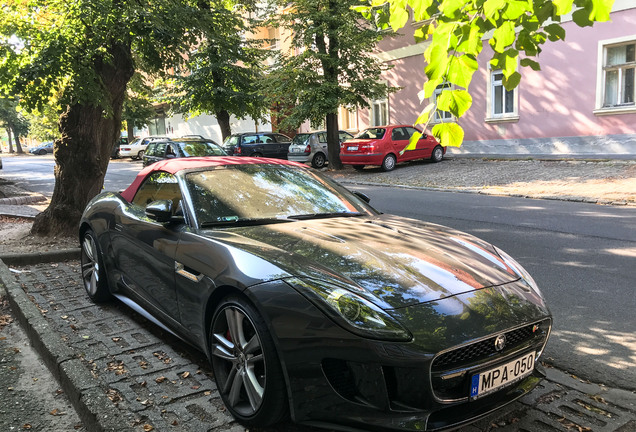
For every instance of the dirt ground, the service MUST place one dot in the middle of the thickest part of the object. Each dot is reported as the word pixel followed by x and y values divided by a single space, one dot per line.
pixel 602 182
pixel 15 238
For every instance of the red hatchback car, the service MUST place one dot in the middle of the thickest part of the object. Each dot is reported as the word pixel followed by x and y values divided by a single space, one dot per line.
pixel 382 145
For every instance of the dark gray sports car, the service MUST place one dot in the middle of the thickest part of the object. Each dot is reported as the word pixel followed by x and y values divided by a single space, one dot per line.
pixel 311 304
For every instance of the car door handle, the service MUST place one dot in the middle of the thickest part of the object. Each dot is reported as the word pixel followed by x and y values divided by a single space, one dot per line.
pixel 182 270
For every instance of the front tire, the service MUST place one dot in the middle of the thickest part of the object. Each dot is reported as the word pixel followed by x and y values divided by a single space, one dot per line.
pixel 389 162
pixel 42 152
pixel 140 155
pixel 93 270
pixel 246 367
pixel 438 154
pixel 318 161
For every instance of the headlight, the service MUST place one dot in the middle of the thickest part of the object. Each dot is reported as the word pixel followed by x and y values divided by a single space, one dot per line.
pixel 354 313
pixel 517 268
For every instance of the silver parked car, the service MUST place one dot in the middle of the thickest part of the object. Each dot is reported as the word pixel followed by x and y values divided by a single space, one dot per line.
pixel 312 147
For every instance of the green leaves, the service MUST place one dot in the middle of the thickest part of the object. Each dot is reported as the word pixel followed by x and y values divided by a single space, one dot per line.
pixel 455 101
pixel 449 134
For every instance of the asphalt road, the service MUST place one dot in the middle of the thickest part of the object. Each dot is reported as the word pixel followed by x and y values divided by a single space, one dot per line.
pixel 583 257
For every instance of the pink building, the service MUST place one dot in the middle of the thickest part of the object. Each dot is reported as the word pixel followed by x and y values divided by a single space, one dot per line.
pixel 580 103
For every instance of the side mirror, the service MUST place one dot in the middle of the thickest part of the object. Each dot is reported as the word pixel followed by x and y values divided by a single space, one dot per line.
pixel 362 196
pixel 424 136
pixel 160 211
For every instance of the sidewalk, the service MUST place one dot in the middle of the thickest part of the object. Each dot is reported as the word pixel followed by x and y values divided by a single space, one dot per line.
pixel 123 373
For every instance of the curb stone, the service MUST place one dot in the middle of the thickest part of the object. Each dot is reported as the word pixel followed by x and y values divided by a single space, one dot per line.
pixel 20 200
pixel 59 360
pixel 40 257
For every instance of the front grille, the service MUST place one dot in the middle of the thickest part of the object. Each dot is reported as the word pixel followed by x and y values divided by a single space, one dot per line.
pixel 448 384
pixel 485 348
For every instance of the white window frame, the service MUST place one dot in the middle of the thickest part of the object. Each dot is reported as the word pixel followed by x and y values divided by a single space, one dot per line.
pixel 491 116
pixel 601 73
pixel 382 104
pixel 441 116
pixel 349 118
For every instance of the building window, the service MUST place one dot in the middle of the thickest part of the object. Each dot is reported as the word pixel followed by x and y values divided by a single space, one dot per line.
pixel 501 103
pixel 379 112
pixel 618 70
pixel 615 80
pixel 441 116
pixel 347 119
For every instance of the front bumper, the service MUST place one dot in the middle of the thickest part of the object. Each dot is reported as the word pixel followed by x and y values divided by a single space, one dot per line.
pixel 344 381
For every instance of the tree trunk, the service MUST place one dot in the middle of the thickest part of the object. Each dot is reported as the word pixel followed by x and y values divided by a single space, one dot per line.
pixel 333 142
pixel 130 128
pixel 223 117
pixel 10 140
pixel 83 151
pixel 18 146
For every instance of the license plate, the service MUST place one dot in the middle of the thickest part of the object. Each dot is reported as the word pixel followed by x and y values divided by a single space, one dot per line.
pixel 496 378
pixel 352 148
pixel 295 150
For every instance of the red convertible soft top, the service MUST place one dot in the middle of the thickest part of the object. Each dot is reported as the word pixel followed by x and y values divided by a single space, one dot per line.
pixel 173 166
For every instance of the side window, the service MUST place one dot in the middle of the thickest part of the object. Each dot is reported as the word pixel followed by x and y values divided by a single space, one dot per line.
pixel 410 131
pixel 282 138
pixel 150 150
pixel 160 149
pixel 322 137
pixel 268 139
pixel 399 134
pixel 250 139
pixel 159 185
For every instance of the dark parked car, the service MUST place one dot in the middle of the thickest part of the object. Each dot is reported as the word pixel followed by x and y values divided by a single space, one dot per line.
pixel 43 149
pixel 312 147
pixel 184 147
pixel 384 146
pixel 257 144
pixel 306 299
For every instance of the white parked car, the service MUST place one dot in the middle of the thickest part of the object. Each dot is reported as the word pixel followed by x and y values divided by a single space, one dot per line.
pixel 137 148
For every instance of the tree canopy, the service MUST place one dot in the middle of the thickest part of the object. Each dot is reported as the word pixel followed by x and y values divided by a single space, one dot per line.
pixel 329 64
pixel 516 30
pixel 83 54
pixel 223 73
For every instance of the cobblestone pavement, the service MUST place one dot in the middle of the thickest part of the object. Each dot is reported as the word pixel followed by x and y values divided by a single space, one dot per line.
pixel 133 376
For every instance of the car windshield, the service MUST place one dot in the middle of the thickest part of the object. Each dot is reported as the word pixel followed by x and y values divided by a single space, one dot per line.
pixel 253 193
pixel 371 133
pixel 200 148
pixel 230 141
pixel 301 139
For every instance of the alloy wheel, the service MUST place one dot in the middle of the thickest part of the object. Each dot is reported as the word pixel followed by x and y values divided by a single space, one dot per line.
pixel 90 265
pixel 238 354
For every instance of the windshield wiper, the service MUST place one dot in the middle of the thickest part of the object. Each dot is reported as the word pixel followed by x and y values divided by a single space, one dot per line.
pixel 243 222
pixel 324 215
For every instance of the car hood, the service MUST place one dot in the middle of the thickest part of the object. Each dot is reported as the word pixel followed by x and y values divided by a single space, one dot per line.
pixel 396 261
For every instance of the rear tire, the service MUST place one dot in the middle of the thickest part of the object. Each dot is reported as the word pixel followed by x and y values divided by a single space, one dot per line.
pixel 438 154
pixel 245 363
pixel 389 162
pixel 318 161
pixel 140 155
pixel 93 270
pixel 42 152
pixel 256 154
